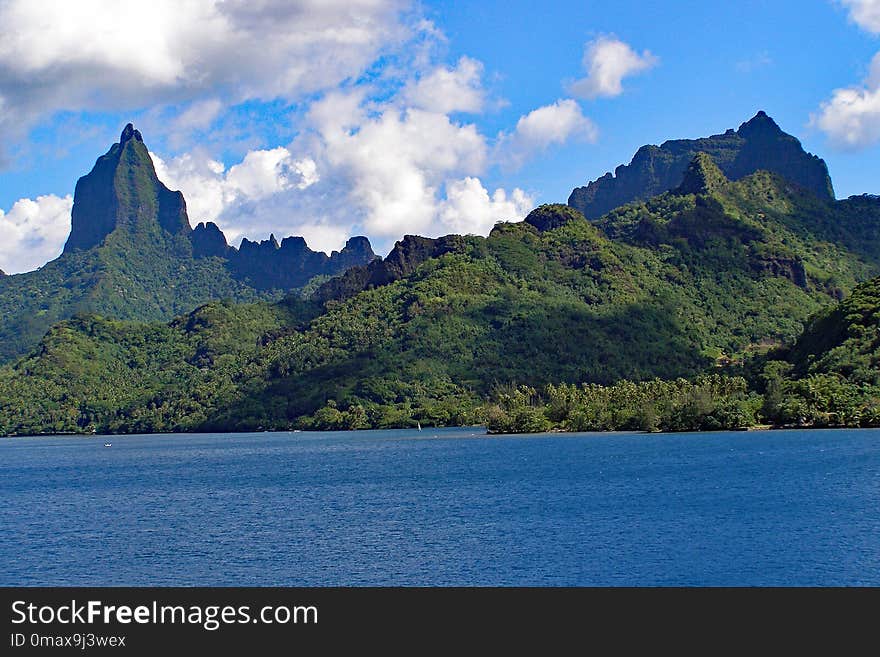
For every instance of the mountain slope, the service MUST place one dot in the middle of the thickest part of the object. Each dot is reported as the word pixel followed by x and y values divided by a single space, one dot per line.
pixel 831 375
pixel 758 144
pixel 763 220
pixel 148 275
pixel 844 340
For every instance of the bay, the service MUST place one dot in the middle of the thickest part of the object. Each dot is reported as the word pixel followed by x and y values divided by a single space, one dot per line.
pixel 442 507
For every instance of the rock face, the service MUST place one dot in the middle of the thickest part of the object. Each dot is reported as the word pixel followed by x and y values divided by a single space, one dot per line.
pixel 208 240
pixel 357 251
pixel 791 268
pixel 123 192
pixel 292 263
pixel 758 144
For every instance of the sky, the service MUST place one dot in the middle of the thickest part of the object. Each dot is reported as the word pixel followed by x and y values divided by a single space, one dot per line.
pixel 334 118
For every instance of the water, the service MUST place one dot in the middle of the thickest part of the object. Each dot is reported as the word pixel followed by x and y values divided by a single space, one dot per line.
pixel 409 508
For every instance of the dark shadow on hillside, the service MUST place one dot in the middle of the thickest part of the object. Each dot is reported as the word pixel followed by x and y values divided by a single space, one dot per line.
pixel 549 345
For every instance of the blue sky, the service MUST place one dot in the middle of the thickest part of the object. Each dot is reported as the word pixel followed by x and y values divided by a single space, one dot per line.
pixel 335 118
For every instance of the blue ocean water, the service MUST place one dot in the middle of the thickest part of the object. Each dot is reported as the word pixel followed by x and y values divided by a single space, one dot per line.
pixel 442 507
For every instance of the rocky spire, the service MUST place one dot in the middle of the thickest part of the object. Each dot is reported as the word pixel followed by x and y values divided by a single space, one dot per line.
pixel 122 191
pixel 128 132
pixel 208 240
pixel 270 265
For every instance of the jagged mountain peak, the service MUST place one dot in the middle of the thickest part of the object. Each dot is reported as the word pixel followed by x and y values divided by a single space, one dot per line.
pixel 123 192
pixel 357 247
pixel 132 254
pixel 128 132
pixel 270 265
pixel 758 144
pixel 208 240
pixel 760 124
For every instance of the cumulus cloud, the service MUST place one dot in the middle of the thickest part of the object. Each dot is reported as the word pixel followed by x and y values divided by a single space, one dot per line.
pixel 323 236
pixel 34 232
pixel 864 13
pixel 381 170
pixel 380 147
pixel 197 117
pixel 608 60
pixel 449 89
pixel 549 125
pixel 468 208
pixel 111 55
pixel 212 192
pixel 394 164
pixel 851 117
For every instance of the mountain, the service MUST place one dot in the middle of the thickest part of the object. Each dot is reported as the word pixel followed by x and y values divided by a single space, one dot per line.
pixel 758 144
pixel 829 377
pixel 131 254
pixel 122 193
pixel 690 281
pixel 413 250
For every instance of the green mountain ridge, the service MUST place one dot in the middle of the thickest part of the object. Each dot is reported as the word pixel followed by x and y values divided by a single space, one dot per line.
pixel 830 376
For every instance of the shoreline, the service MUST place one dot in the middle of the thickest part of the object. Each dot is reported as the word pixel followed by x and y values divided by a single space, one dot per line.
pixel 483 432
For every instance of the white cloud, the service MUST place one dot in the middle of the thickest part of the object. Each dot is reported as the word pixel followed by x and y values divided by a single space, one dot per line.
pixel 851 117
pixel 200 178
pixel 469 209
pixel 608 60
pixel 324 236
pixel 446 90
pixel 391 167
pixel 338 111
pixel 380 154
pixel 212 192
pixel 864 13
pixel 34 232
pixel 359 168
pixel 549 125
pixel 112 55
pixel 267 172
pixel 197 117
